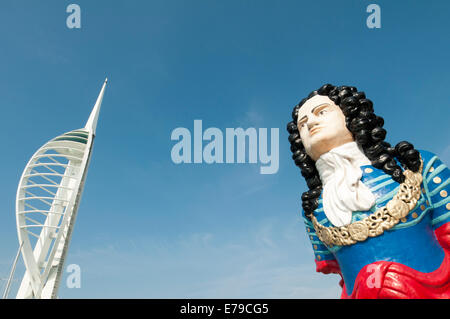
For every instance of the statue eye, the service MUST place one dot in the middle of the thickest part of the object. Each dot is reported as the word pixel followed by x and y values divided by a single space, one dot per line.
pixel 301 123
pixel 321 110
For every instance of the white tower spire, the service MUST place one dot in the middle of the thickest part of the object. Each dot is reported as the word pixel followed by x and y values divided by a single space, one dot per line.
pixel 47 201
pixel 91 124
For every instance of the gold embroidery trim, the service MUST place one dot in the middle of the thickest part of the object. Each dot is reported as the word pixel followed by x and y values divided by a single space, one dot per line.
pixel 376 223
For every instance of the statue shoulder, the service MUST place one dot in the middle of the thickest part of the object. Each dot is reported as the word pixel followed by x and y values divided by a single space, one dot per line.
pixel 426 156
pixel 430 162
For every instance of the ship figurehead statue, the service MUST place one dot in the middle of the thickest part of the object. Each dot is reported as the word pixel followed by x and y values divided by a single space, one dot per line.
pixel 376 214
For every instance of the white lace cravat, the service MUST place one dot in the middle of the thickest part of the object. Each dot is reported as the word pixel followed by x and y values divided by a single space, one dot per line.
pixel 343 191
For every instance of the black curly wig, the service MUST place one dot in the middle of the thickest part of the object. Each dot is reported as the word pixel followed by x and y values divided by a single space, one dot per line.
pixel 368 132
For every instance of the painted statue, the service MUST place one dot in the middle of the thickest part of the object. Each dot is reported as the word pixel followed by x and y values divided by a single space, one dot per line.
pixel 375 214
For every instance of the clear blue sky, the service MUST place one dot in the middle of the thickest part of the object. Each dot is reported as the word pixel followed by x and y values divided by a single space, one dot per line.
pixel 148 228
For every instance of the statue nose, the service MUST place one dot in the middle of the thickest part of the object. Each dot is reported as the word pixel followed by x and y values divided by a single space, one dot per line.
pixel 312 121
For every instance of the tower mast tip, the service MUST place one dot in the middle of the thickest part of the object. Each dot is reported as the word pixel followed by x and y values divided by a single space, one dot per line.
pixel 91 124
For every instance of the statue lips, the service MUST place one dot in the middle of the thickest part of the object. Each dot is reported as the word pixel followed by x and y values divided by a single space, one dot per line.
pixel 314 130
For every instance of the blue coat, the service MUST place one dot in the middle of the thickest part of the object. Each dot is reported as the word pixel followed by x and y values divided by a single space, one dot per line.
pixel 411 242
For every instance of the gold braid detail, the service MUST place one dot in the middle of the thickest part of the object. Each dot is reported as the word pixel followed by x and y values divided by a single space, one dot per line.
pixel 376 223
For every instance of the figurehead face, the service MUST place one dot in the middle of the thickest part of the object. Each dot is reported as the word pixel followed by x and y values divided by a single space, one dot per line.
pixel 321 125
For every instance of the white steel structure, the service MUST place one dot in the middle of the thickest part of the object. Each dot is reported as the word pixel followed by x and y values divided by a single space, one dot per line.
pixel 47 201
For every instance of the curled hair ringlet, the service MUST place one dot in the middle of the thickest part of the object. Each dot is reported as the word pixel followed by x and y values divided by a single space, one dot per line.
pixel 367 130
